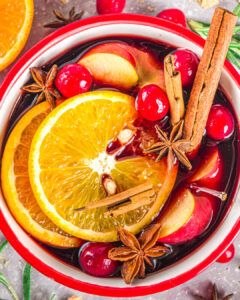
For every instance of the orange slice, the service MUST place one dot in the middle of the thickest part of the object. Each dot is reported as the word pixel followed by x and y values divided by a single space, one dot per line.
pixel 68 158
pixel 16 186
pixel 15 25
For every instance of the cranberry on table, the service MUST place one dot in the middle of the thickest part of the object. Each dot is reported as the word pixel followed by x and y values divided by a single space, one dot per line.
pixel 152 102
pixel 110 6
pixel 186 62
pixel 94 259
pixel 173 15
pixel 73 79
pixel 227 256
pixel 220 124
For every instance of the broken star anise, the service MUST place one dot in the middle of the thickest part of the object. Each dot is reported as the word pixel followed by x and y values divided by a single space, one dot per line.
pixel 174 144
pixel 61 20
pixel 214 295
pixel 136 253
pixel 44 85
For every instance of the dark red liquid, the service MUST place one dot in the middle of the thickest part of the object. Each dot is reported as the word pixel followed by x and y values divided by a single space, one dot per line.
pixel 227 148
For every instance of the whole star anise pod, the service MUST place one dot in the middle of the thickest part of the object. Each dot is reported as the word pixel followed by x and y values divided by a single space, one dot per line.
pixel 136 253
pixel 43 85
pixel 214 295
pixel 62 20
pixel 174 144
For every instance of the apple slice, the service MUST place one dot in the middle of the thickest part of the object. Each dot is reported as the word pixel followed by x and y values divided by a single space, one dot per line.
pixel 123 66
pixel 185 218
pixel 209 171
pixel 149 69
pixel 111 64
pixel 191 155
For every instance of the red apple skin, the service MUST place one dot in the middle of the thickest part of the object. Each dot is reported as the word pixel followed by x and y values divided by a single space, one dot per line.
pixel 196 225
pixel 213 178
pixel 191 155
pixel 120 49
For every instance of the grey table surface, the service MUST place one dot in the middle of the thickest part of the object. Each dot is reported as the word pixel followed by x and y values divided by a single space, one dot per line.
pixel 226 276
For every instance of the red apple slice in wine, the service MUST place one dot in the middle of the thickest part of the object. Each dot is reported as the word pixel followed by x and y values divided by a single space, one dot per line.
pixel 111 64
pixel 123 66
pixel 186 217
pixel 209 171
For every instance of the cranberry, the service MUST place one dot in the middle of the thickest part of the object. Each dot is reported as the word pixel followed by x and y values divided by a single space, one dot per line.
pixel 173 15
pixel 73 79
pixel 227 256
pixel 152 102
pixel 94 259
pixel 220 124
pixel 186 62
pixel 110 6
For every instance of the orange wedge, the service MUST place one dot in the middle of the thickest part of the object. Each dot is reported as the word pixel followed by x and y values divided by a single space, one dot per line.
pixel 16 186
pixel 68 158
pixel 15 25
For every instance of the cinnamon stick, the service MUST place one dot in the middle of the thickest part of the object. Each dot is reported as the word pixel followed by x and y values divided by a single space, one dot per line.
pixel 119 198
pixel 142 201
pixel 208 76
pixel 174 90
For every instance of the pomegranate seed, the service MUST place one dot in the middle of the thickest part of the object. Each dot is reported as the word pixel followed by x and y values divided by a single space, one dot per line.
pixel 110 6
pixel 94 259
pixel 73 79
pixel 152 102
pixel 186 62
pixel 220 124
pixel 173 15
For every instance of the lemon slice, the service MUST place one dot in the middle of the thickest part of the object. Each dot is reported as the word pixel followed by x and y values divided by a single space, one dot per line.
pixel 68 158
pixel 16 186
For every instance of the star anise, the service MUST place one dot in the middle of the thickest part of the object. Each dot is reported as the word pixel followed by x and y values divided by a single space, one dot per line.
pixel 43 85
pixel 62 20
pixel 136 253
pixel 214 295
pixel 174 144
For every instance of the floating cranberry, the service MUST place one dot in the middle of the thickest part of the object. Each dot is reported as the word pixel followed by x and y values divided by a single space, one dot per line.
pixel 186 62
pixel 220 124
pixel 94 259
pixel 173 15
pixel 110 6
pixel 73 79
pixel 152 102
pixel 227 256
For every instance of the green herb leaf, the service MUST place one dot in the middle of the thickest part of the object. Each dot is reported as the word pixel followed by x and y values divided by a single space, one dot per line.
pixel 231 57
pixel 4 281
pixel 3 245
pixel 237 29
pixel 27 282
pixel 236 10
pixel 53 297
